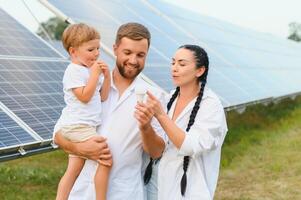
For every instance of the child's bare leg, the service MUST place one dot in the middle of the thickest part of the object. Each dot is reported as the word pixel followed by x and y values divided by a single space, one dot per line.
pixel 75 165
pixel 101 181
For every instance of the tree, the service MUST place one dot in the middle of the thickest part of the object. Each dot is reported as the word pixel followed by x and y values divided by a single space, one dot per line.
pixel 54 27
pixel 294 31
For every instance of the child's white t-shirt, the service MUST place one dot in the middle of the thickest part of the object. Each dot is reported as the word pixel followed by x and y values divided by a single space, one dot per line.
pixel 75 111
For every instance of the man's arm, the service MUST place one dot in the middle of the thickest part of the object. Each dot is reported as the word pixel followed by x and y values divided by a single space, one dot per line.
pixel 151 142
pixel 94 148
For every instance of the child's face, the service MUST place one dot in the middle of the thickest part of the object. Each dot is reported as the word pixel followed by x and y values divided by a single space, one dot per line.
pixel 86 54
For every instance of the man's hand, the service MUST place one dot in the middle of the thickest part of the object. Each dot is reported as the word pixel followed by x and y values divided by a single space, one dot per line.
pixel 144 115
pixel 94 148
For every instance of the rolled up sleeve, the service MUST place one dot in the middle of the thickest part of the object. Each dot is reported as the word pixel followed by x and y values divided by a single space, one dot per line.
pixel 207 132
pixel 155 123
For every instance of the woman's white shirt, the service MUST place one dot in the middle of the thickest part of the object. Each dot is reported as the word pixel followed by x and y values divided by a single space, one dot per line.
pixel 203 144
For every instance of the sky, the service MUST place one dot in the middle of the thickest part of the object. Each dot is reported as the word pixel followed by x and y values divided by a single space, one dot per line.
pixel 267 16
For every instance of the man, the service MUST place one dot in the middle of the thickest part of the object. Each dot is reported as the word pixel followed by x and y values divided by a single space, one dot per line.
pixel 127 137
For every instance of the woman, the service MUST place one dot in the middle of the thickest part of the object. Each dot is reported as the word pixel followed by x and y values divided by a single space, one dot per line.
pixel 195 125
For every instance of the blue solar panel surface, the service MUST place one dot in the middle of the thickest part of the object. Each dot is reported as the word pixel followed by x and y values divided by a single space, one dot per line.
pixel 33 91
pixel 11 133
pixel 259 63
pixel 245 66
pixel 107 16
pixel 15 40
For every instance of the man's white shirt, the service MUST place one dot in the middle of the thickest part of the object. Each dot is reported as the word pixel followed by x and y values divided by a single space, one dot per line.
pixel 123 137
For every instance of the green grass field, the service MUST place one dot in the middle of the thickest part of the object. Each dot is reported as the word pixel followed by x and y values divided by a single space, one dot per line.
pixel 261 155
pixel 261 160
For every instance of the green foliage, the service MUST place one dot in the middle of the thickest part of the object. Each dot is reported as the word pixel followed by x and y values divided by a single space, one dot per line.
pixel 295 31
pixel 54 27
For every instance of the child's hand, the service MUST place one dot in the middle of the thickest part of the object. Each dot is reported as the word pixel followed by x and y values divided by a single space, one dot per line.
pixel 97 67
pixel 105 70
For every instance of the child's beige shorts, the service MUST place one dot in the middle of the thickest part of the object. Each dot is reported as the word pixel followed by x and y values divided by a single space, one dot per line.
pixel 78 133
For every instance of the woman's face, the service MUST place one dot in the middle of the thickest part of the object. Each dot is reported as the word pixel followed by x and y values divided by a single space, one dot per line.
pixel 183 68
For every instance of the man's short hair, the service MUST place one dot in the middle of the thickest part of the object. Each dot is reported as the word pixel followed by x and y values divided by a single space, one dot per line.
pixel 77 34
pixel 133 31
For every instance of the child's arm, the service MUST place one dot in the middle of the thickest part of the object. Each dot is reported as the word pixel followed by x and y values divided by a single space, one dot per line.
pixel 102 179
pixel 101 182
pixel 84 94
pixel 105 88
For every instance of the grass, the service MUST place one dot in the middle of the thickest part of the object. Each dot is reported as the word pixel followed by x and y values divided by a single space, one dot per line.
pixel 261 160
pixel 261 154
pixel 32 178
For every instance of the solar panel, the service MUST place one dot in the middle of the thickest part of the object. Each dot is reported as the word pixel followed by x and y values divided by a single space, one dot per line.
pixel 31 74
pixel 11 133
pixel 15 40
pixel 259 63
pixel 32 89
pixel 245 66
pixel 107 16
pixel 31 94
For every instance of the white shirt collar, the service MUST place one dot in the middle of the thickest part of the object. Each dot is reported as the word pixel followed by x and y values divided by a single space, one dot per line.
pixel 132 86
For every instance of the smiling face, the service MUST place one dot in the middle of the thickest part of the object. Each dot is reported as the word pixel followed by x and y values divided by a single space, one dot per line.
pixel 86 54
pixel 183 68
pixel 130 56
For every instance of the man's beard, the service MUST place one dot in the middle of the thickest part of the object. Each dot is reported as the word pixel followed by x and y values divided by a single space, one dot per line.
pixel 132 75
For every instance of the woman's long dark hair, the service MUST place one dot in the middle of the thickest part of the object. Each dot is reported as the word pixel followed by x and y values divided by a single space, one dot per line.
pixel 201 60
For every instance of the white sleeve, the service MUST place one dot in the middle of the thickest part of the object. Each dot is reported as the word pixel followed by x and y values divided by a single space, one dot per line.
pixel 208 131
pixel 155 123
pixel 74 78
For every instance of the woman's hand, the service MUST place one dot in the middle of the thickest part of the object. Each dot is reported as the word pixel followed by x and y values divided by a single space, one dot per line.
pixel 145 111
pixel 154 104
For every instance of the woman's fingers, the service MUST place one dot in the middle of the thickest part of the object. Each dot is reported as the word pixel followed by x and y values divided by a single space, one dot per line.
pixel 144 110
pixel 150 95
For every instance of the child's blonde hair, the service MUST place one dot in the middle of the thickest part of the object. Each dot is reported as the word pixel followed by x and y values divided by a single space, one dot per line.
pixel 77 34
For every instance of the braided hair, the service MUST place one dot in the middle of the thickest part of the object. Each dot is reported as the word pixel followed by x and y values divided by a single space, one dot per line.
pixel 201 60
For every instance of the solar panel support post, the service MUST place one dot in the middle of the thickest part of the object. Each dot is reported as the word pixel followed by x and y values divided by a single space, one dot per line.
pixel 55 146
pixel 22 151
pixel 241 109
